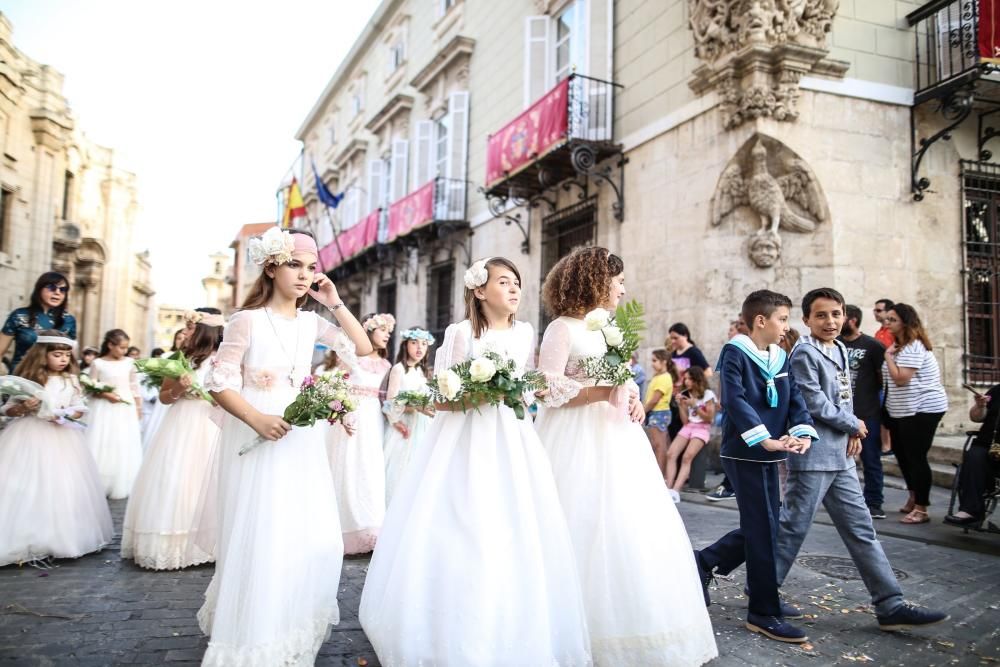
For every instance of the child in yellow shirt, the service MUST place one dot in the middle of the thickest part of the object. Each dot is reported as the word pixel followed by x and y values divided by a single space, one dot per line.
pixel 657 404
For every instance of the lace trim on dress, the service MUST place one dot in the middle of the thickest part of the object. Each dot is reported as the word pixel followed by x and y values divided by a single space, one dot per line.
pixel 162 551
pixel 223 376
pixel 691 645
pixel 298 647
pixel 561 390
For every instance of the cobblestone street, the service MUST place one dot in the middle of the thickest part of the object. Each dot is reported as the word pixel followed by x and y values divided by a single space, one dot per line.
pixel 99 610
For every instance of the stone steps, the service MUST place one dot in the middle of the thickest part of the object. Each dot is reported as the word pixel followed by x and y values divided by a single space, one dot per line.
pixel 945 454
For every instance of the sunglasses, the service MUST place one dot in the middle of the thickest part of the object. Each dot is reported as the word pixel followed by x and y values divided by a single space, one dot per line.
pixel 53 287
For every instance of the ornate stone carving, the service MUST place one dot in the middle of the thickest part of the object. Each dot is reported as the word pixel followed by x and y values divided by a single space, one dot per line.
pixel 756 51
pixel 778 186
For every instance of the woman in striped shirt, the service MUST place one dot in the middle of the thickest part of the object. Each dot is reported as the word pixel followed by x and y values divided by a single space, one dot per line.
pixel 916 402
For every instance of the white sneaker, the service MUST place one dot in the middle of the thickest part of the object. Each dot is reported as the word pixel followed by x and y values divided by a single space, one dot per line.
pixel 674 496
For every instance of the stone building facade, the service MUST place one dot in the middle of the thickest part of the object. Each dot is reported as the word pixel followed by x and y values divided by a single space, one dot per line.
pixel 718 146
pixel 67 205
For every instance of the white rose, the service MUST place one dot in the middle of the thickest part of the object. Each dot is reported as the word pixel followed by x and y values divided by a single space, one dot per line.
pixel 273 241
pixel 449 384
pixel 612 336
pixel 596 319
pixel 482 369
pixel 256 251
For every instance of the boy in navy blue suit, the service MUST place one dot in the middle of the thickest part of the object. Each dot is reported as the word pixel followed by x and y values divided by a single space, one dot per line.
pixel 766 420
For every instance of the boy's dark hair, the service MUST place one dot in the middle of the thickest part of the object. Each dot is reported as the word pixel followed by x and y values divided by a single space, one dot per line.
pixel 820 293
pixel 762 302
pixel 887 304
pixel 853 313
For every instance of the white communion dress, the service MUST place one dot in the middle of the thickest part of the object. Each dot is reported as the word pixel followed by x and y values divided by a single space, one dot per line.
pixel 157 533
pixel 397 447
pixel 113 432
pixel 51 498
pixel 279 552
pixel 640 584
pixel 356 460
pixel 474 566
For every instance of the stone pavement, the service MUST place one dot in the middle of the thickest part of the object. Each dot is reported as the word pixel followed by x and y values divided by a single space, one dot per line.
pixel 99 610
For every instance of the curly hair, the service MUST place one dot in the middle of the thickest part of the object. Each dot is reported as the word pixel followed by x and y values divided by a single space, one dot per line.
pixel 580 281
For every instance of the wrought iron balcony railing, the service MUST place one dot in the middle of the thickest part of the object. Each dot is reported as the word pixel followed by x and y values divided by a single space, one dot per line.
pixel 442 200
pixel 955 46
pixel 565 132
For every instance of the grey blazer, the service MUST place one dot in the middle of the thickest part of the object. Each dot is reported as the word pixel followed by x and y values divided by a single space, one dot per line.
pixel 825 385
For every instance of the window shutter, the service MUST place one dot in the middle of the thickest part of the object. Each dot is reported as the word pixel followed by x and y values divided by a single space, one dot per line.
pixel 458 151
pixel 424 154
pixel 400 149
pixel 536 57
pixel 374 185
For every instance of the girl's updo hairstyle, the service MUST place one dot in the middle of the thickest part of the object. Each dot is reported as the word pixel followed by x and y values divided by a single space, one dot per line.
pixel 112 337
pixel 580 281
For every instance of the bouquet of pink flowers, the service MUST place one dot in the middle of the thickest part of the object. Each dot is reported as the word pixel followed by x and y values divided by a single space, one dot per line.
pixel 321 397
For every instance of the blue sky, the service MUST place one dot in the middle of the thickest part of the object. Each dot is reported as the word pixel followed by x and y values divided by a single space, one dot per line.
pixel 200 99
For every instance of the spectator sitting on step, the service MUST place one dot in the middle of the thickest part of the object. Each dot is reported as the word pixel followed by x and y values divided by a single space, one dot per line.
pixel 976 475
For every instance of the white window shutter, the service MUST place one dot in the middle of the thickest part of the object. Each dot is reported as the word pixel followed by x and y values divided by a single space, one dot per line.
pixel 458 138
pixel 374 185
pixel 537 50
pixel 400 153
pixel 423 156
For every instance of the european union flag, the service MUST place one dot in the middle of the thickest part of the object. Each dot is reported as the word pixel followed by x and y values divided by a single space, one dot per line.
pixel 323 192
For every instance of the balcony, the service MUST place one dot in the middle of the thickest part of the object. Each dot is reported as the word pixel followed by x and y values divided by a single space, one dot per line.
pixel 350 245
pixel 957 69
pixel 440 202
pixel 565 134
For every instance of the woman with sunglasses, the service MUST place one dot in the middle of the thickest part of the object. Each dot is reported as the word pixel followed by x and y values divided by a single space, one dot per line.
pixel 46 310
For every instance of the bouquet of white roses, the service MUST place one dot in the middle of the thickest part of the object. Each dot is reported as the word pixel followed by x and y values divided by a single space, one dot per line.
pixel 488 379
pixel 621 334
pixel 95 388
pixel 174 367
pixel 323 396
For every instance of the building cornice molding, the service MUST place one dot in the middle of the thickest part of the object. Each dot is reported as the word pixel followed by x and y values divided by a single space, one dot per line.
pixel 458 47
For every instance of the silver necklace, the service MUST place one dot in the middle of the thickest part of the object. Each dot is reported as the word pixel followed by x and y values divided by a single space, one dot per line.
pixel 291 372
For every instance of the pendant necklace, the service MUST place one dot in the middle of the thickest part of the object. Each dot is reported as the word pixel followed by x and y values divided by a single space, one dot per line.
pixel 291 372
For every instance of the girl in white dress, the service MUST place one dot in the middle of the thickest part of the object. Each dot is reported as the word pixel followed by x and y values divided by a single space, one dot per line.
pixel 407 424
pixel 113 425
pixel 640 585
pixel 161 512
pixel 51 498
pixel 279 550
pixel 160 409
pixel 474 566
pixel 356 458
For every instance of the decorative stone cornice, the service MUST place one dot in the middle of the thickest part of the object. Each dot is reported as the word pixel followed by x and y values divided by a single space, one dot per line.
pixel 350 150
pixel 50 128
pixel 458 47
pixel 399 104
pixel 756 51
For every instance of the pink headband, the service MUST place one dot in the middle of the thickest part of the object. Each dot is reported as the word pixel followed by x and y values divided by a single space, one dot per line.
pixel 305 243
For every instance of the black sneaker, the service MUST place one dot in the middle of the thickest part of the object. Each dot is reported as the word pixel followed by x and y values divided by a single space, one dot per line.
pixel 776 628
pixel 876 511
pixel 721 493
pixel 705 576
pixel 910 616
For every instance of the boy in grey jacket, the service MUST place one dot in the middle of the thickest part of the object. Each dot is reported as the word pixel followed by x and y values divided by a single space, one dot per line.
pixel 826 472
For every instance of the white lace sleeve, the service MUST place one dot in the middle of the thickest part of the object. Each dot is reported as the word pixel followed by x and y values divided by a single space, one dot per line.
pixel 553 358
pixel 133 384
pixel 226 371
pixel 455 346
pixel 333 337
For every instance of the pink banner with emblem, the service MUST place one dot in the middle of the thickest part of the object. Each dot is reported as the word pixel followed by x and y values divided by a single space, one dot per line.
pixel 542 127
pixel 412 211
pixel 351 242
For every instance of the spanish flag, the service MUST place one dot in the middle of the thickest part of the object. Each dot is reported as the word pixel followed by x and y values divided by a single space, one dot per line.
pixel 295 207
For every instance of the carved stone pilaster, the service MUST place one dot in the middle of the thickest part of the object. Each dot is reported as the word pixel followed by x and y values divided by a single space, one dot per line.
pixel 756 51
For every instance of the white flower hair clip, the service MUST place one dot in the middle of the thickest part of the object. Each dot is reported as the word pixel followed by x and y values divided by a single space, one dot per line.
pixel 381 320
pixel 477 274
pixel 275 246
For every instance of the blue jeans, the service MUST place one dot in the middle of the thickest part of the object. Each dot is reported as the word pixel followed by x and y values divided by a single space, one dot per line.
pixel 840 493
pixel 871 461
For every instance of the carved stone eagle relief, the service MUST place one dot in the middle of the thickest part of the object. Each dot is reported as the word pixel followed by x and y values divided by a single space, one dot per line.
pixel 778 186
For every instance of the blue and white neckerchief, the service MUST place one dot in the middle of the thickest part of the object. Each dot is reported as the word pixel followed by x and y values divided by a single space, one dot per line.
pixel 769 369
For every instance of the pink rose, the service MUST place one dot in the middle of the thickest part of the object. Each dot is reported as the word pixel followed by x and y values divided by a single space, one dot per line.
pixel 336 406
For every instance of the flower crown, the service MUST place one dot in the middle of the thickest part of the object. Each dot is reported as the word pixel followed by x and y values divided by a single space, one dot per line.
pixel 477 274
pixel 192 317
pixel 379 321
pixel 275 246
pixel 417 333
